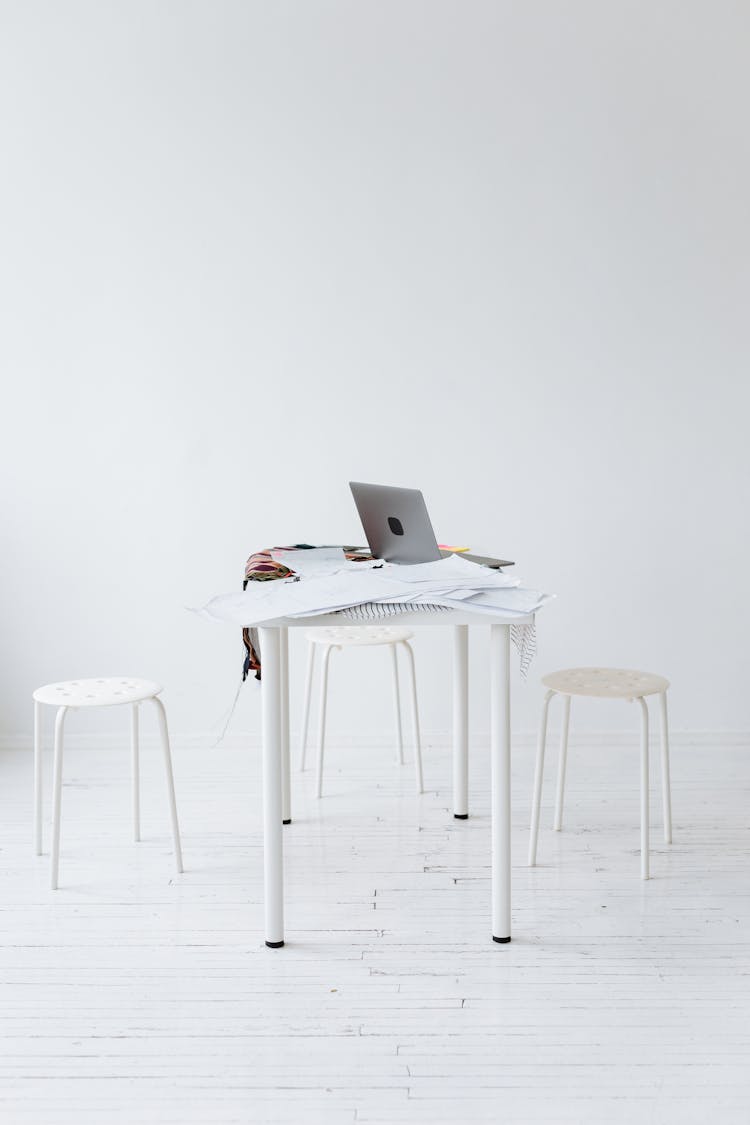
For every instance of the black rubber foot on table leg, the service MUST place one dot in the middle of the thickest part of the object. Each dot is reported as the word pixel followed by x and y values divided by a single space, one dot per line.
pixel 460 816
pixel 500 940
pixel 287 821
pixel 278 944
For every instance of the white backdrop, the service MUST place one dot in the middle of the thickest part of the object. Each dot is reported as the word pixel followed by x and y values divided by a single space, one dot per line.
pixel 495 250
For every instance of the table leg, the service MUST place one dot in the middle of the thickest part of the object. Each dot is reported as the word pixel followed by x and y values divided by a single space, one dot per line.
pixel 273 863
pixel 37 778
pixel 286 775
pixel 461 722
pixel 500 783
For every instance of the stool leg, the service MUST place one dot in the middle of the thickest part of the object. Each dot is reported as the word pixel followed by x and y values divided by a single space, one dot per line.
pixel 306 707
pixel 286 771
pixel 644 790
pixel 164 733
pixel 57 796
pixel 563 763
pixel 37 778
pixel 538 778
pixel 136 779
pixel 322 721
pixel 397 706
pixel 666 785
pixel 415 718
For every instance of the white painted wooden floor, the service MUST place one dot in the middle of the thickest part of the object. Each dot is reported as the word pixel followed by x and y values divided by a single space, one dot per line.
pixel 135 996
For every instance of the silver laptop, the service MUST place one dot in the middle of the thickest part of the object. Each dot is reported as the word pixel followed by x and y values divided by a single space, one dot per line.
pixel 396 523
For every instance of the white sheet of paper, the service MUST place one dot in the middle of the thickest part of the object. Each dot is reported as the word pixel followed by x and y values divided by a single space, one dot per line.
pixel 317 562
pixel 453 582
pixel 452 571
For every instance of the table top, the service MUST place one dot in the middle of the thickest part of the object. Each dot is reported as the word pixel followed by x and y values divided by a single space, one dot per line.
pixel 415 619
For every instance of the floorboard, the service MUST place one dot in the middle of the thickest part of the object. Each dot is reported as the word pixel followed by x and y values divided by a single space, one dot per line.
pixel 135 995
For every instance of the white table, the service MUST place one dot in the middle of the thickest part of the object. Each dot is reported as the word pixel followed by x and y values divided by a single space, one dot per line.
pixel 274 646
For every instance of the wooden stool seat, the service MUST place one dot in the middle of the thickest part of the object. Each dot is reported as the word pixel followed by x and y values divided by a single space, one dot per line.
pixel 604 683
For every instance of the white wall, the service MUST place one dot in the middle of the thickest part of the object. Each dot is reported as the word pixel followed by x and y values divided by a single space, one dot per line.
pixel 252 250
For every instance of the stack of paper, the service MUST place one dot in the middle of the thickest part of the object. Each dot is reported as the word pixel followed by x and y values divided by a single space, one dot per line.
pixel 325 581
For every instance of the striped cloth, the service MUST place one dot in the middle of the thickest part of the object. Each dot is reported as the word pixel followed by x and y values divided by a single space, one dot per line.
pixel 523 636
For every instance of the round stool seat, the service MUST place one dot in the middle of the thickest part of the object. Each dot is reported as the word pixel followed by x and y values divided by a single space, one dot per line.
pixel 106 692
pixel 358 635
pixel 605 683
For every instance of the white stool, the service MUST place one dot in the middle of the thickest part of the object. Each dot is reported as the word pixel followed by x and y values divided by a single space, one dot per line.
pixel 110 692
pixel 604 683
pixel 333 637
